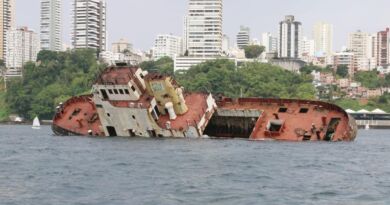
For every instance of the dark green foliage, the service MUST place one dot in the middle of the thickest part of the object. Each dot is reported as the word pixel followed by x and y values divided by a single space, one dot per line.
pixel 250 80
pixel 253 51
pixel 369 79
pixel 163 65
pixel 56 77
pixel 342 71
pixel 308 69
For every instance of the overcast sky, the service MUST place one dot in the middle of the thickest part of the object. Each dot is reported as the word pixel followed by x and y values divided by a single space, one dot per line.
pixel 140 21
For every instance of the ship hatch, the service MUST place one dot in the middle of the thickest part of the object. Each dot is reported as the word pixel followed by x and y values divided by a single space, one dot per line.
pixel 111 131
pixel 232 124
pixel 332 127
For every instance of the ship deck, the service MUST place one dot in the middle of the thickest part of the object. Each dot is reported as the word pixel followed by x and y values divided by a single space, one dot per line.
pixel 197 106
pixel 298 119
pixel 78 116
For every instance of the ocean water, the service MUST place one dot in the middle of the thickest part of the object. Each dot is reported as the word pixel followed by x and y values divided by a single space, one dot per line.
pixel 37 168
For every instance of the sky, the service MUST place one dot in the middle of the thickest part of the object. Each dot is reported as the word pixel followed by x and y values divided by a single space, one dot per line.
pixel 140 21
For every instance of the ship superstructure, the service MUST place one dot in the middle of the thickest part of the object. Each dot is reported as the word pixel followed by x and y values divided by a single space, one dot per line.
pixel 130 102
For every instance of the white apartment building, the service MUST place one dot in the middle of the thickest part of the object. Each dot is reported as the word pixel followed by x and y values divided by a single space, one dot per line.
pixel 243 37
pixel 203 28
pixel 7 21
pixel 89 24
pixel 167 45
pixel 347 59
pixel 307 47
pixel 202 33
pixel 361 45
pixel 269 42
pixel 112 58
pixel 51 35
pixel 121 46
pixel 290 38
pixel 323 38
pixel 225 44
pixel 22 46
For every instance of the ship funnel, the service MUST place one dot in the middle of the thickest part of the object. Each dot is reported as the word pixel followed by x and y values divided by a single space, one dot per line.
pixel 171 111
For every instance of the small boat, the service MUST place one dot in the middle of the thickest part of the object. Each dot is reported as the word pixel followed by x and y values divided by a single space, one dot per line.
pixel 36 124
pixel 367 127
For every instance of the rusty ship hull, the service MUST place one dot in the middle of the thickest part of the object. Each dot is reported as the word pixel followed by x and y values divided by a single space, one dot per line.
pixel 129 102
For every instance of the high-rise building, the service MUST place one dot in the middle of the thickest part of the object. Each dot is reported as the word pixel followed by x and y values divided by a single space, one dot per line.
pixel 203 28
pixel 358 44
pixel 51 36
pixel 89 24
pixel 243 37
pixel 290 34
pixel 22 46
pixel 307 47
pixel 167 46
pixel 323 38
pixel 269 42
pixel 7 20
pixel 225 44
pixel 346 59
pixel 121 46
pixel 382 47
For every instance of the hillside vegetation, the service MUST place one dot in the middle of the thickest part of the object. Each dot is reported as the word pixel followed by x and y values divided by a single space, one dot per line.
pixel 56 77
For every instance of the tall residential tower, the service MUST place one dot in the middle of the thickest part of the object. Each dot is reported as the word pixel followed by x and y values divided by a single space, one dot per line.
pixel 290 36
pixel 243 37
pixel 203 28
pixel 323 38
pixel 7 20
pixel 89 24
pixel 51 37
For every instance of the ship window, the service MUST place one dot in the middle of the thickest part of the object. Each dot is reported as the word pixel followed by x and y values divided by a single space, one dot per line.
pixel 133 88
pixel 121 91
pixel 104 94
pixel 127 91
pixel 304 110
pixel 142 76
pixel 110 91
pixel 108 114
pixel 99 106
pixel 115 91
pixel 133 117
pixel 283 110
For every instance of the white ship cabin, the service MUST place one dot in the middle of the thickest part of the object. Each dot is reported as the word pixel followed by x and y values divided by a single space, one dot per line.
pixel 131 102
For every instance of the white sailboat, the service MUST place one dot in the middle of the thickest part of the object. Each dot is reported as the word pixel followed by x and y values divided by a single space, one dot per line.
pixel 367 127
pixel 36 123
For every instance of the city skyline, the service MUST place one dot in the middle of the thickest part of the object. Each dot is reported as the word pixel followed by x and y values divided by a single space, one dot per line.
pixel 259 16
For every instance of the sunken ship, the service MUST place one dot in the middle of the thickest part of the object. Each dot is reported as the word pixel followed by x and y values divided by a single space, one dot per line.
pixel 129 102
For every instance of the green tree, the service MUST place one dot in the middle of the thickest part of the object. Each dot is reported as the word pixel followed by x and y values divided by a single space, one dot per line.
pixel 253 51
pixel 250 80
pixel 369 79
pixel 342 71
pixel 163 65
pixel 58 76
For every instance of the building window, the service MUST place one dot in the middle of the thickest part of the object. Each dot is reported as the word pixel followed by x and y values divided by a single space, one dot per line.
pixel 110 91
pixel 127 91
pixel 121 91
pixel 133 88
pixel 116 91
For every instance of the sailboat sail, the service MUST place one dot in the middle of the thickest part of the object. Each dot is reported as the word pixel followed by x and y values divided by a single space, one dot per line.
pixel 36 123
